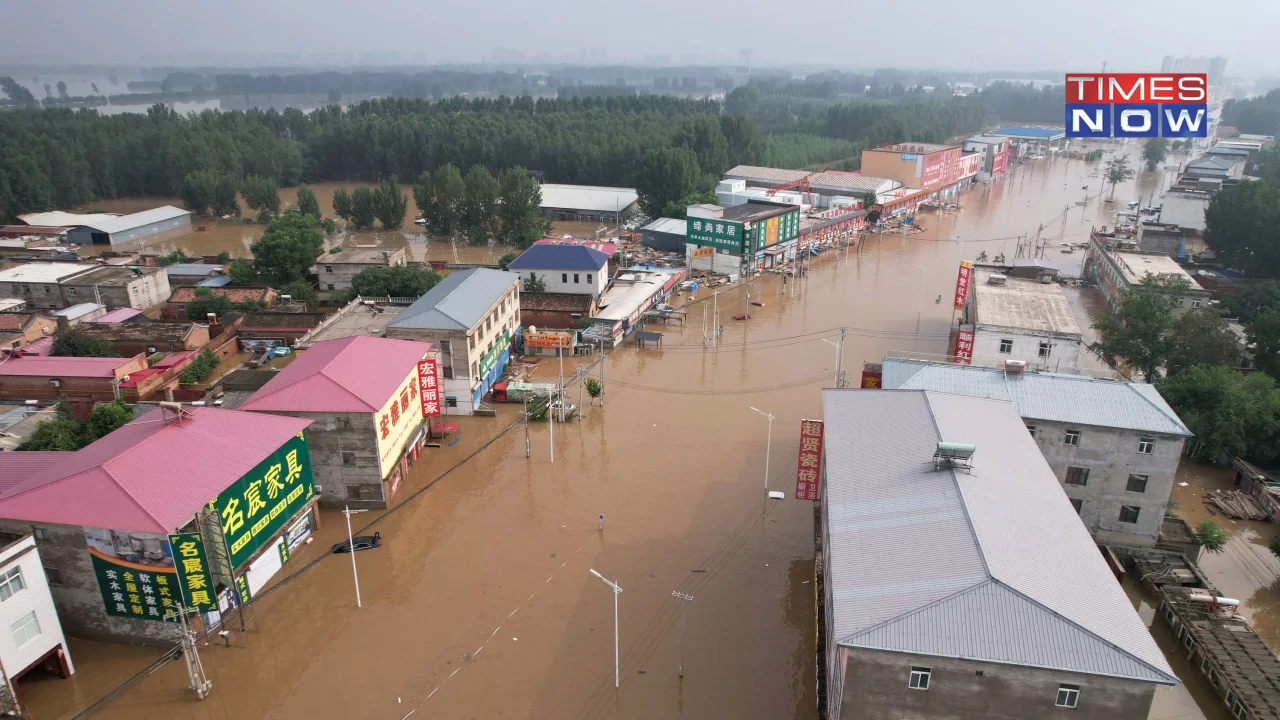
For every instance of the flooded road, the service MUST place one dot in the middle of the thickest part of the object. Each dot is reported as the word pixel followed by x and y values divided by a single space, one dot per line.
pixel 480 603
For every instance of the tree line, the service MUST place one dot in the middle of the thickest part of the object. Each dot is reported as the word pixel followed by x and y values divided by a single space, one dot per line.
pixel 1256 116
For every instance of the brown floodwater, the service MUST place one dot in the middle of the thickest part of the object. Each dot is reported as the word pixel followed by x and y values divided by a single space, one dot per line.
pixel 480 603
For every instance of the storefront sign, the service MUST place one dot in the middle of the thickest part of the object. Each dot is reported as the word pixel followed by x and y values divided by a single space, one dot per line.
pixel 298 532
pixel 703 252
pixel 964 347
pixel 258 505
pixel 491 358
pixel 429 386
pixel 810 459
pixel 194 580
pixel 550 340
pixel 135 574
pixel 870 380
pixel 962 282
pixel 723 235
pixel 399 417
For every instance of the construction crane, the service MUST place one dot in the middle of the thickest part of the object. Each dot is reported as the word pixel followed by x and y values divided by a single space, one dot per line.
pixel 802 184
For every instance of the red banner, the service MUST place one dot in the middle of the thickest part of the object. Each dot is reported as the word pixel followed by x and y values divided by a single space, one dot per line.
pixel 964 347
pixel 962 283
pixel 870 380
pixel 810 459
pixel 429 384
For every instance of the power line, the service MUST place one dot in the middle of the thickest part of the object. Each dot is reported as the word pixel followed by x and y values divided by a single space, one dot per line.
pixel 742 391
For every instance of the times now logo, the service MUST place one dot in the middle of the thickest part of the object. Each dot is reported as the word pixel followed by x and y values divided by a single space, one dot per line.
pixel 1143 105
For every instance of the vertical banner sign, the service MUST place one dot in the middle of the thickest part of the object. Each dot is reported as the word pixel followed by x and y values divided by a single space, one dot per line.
pixel 258 505
pixel 810 460
pixel 962 283
pixel 193 571
pixel 429 386
pixel 964 347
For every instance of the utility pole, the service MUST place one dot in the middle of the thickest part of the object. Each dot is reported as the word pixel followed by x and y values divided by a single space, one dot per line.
pixel 835 381
pixel 840 360
pixel 616 590
pixel 684 600
pixel 528 450
pixel 767 444
pixel 200 684
pixel 560 381
pixel 551 425
pixel 351 547
pixel 602 359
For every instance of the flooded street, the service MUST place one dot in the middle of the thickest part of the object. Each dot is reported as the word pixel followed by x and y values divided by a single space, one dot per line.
pixel 480 603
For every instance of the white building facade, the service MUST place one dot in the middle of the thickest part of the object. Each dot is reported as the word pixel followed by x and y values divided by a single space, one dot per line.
pixel 30 633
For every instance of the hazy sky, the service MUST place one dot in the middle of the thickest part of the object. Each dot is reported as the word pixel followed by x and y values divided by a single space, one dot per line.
pixel 1132 35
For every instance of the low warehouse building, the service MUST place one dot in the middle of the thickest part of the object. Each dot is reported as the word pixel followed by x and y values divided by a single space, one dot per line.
pixel 74 379
pixel 149 338
pixel 336 270
pixel 127 228
pixel 586 202
pixel 665 235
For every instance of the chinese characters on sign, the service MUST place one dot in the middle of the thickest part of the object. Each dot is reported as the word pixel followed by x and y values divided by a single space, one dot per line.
pixel 964 347
pixel 259 504
pixel 703 252
pixel 962 282
pixel 810 460
pixel 429 386
pixel 549 339
pixel 870 380
pixel 194 580
pixel 135 590
pixel 720 234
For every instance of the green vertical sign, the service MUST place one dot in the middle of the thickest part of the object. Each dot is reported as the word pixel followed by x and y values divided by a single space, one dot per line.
pixel 194 581
pixel 258 505
pixel 725 235
pixel 135 591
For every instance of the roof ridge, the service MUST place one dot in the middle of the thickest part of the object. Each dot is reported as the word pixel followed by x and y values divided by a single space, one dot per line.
pixel 1173 418
pixel 968 518
pixel 915 611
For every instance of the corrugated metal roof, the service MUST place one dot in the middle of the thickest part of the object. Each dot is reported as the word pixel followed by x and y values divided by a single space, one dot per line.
pixel 588 197
pixel 458 302
pixel 118 315
pixel 120 482
pixel 138 219
pixel 559 257
pixel 215 281
pixel 1072 399
pixel 192 268
pixel 42 272
pixel 63 367
pixel 671 226
pixel 18 467
pixel 65 219
pixel 829 179
pixel 1028 132
pixel 914 551
pixel 353 374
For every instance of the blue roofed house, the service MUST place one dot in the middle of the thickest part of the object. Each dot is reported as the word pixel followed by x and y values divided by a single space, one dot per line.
pixel 566 268
pixel 964 587
pixel 472 317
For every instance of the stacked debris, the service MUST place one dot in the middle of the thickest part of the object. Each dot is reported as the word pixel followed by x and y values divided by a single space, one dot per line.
pixel 1235 504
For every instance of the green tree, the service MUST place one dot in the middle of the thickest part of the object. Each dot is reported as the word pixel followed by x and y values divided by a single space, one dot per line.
pixel 520 218
pixel 198 190
pixel 62 89
pixel 679 209
pixel 479 205
pixel 1267 166
pixel 1274 545
pixel 1231 414
pixel 308 204
pixel 199 368
pixel 665 176
pixel 1154 152
pixel 444 213
pixel 261 194
pixel 287 249
pixel 395 281
pixel 592 386
pixel 62 434
pixel 1139 332
pixel 342 204
pixel 71 343
pixel 242 272
pixel 1211 536
pixel 363 210
pixel 506 259
pixel 106 418
pixel 1201 337
pixel 205 302
pixel 423 193
pixel 1242 226
pixel 390 204
pixel 1246 302
pixel 1264 340
pixel 1117 170
pixel 224 257
pixel 533 283
pixel 301 291
pixel 224 200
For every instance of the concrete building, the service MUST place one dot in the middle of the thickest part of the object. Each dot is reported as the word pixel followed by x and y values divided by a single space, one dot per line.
pixel 572 269
pixel 26 608
pixel 101 518
pixel 74 379
pixel 336 270
pixel 116 287
pixel 80 312
pixel 19 329
pixel 1213 67
pixel 1032 139
pixel 557 310
pixel 1011 318
pixel 590 203
pixel 175 308
pixel 361 395
pixel 664 235
pixel 127 228
pixel 129 339
pixel 1215 167
pixel 964 588
pixel 828 189
pixel 743 238
pixel 192 274
pixel 1185 211
pixel 1116 272
pixel 928 166
pixel 993 153
pixel 273 329
pixel 1114 446
pixel 471 317
pixel 38 283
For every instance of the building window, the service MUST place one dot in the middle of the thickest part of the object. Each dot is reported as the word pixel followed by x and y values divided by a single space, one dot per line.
pixel 1129 513
pixel 71 291
pixel 475 369
pixel 575 278
pixel 329 286
pixel 53 575
pixel 11 583
pixel 1077 476
pixel 588 278
pixel 25 629
pixel 1189 643
pixel 919 678
pixel 39 532
pixel 451 402
pixel 342 422
pixel 1072 438
pixel 170 346
pixel 1044 349
pixel 1031 429
pixel 348 457
pixel 564 278
pixel 447 371
pixel 1195 303
pixel 1231 696
pixel 1137 483
pixel 328 268
pixel 1068 696
pixel 446 347
pixel 1077 504
pixel 360 492
pixel 1238 712
pixel 1006 346
pixel 1145 446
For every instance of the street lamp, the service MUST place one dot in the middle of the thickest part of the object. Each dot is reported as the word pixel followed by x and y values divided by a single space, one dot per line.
pixel 768 441
pixel 684 600
pixel 351 546
pixel 616 590
pixel 924 273
pixel 839 348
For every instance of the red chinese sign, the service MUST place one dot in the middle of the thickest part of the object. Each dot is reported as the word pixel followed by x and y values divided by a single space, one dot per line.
pixel 810 460
pixel 962 282
pixel 429 384
pixel 964 347
pixel 870 380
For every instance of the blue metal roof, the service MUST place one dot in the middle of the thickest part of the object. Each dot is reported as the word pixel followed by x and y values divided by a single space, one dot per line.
pixel 559 257
pixel 1030 132
pixel 458 302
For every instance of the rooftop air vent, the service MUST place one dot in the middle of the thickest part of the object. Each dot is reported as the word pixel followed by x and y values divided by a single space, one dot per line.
pixel 996 279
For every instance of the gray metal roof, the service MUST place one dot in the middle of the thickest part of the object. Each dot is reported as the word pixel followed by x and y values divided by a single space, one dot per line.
pixel 671 226
pixel 457 302
pixel 138 219
pixel 588 197
pixel 991 565
pixel 1185 211
pixel 1035 263
pixel 1052 397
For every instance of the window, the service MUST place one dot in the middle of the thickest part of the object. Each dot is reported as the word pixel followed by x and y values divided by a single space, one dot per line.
pixel 1072 438
pixel 53 575
pixel 329 286
pixel 475 369
pixel 25 629
pixel 1031 429
pixel 170 346
pixel 564 277
pixel 11 583
pixel 1006 346
pixel 1137 483
pixel 1195 303
pixel 1238 711
pixel 588 278
pixel 1044 348
pixel 71 291
pixel 360 492
pixel 328 268
pixel 348 457
pixel 488 324
pixel 447 371
pixel 342 422
pixel 48 289
pixel 1068 696
pixel 1077 476
pixel 1077 504
pixel 919 678
pixel 1145 446
pixel 1204 664
pixel 26 289
pixel 446 346
pixel 1230 697
pixel 575 278
pixel 450 402
pixel 1129 513
pixel 1189 644
pixel 39 532
pixel 135 290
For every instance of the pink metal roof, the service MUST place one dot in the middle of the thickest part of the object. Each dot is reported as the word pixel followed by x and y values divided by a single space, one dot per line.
pixel 16 467
pixel 117 315
pixel 50 366
pixel 173 358
pixel 43 346
pixel 355 374
pixel 150 475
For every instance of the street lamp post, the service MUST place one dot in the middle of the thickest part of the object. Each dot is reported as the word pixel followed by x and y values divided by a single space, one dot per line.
pixel 351 547
pixel 839 351
pixel 616 590
pixel 684 600
pixel 768 441
pixel 924 274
